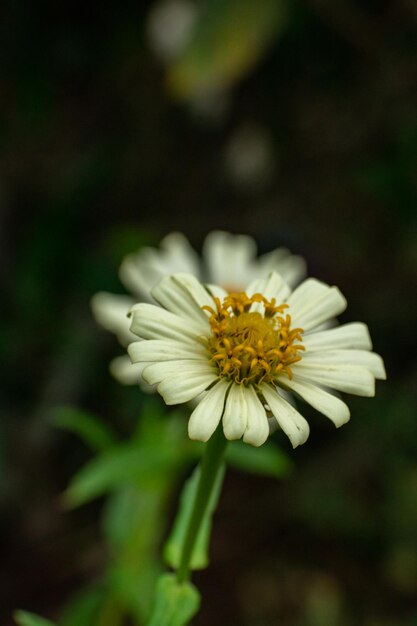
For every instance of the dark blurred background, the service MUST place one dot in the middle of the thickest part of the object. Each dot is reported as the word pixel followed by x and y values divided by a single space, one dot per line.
pixel 295 122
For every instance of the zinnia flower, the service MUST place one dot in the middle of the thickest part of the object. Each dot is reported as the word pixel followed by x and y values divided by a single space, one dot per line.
pixel 228 260
pixel 240 353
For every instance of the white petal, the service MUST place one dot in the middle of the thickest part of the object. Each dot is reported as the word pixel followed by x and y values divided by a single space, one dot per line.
pixel 288 396
pixel 330 305
pixel 154 350
pixel 234 417
pixel 110 311
pixel 125 372
pixel 331 406
pixel 228 258
pixel 316 304
pixel 361 358
pixel 311 288
pixel 184 295
pixel 354 335
pixel 206 416
pixel 217 291
pixel 273 286
pixel 269 262
pixel 292 268
pixel 273 425
pixel 182 388
pixel 181 257
pixel 346 378
pixel 141 271
pixel 195 290
pixel 153 322
pixel 292 423
pixel 156 372
pixel 257 429
pixel 333 323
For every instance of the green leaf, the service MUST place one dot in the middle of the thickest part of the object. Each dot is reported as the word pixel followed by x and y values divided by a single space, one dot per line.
pixel 174 545
pixel 23 618
pixel 132 508
pixel 83 608
pixel 175 603
pixel 121 466
pixel 89 428
pixel 134 526
pixel 133 587
pixel 267 460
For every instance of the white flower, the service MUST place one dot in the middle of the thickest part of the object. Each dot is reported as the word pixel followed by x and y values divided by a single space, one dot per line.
pixel 228 260
pixel 245 351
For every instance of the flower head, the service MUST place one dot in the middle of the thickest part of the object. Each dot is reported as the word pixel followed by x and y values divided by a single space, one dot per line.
pixel 227 260
pixel 240 354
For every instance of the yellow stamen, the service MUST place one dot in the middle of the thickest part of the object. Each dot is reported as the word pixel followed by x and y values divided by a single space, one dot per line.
pixel 250 347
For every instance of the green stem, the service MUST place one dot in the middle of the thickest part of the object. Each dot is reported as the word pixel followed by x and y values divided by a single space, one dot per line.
pixel 210 466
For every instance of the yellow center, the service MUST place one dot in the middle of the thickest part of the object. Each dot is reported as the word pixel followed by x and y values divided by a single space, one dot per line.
pixel 251 346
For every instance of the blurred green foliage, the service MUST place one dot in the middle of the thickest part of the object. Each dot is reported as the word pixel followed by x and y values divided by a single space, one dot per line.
pixel 139 475
pixel 23 618
pixel 227 39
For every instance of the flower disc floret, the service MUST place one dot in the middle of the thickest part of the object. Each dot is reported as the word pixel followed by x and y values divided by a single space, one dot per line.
pixel 251 347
